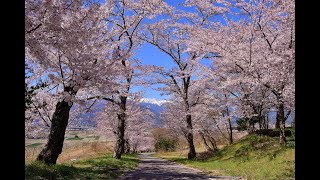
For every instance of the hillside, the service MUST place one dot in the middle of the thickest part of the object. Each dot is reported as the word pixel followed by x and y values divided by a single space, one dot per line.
pixel 252 157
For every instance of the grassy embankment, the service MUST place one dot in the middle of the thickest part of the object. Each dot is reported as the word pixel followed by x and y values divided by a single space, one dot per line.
pixel 104 167
pixel 251 157
pixel 83 157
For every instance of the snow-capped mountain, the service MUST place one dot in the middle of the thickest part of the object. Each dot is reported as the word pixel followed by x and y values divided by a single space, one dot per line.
pixel 155 106
pixel 153 101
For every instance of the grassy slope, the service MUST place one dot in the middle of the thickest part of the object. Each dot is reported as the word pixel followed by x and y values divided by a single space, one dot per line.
pixel 252 157
pixel 103 167
pixel 87 145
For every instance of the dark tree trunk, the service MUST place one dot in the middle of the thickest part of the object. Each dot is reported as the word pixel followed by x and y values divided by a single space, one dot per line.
pixel 53 148
pixel 230 133
pixel 213 143
pixel 280 118
pixel 119 148
pixel 192 150
pixel 210 139
pixel 260 119
pixel 120 137
pixel 277 126
pixel 126 146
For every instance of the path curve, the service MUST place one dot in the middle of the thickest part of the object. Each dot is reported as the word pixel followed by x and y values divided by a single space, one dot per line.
pixel 152 168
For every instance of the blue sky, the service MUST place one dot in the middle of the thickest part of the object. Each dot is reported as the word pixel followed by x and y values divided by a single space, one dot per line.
pixel 151 55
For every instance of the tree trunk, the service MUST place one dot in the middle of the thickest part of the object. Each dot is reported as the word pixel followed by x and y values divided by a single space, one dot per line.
pixel 280 118
pixel 213 143
pixel 210 139
pixel 277 126
pixel 260 120
pixel 53 148
pixel 192 150
pixel 267 121
pixel 127 146
pixel 230 133
pixel 119 148
pixel 205 141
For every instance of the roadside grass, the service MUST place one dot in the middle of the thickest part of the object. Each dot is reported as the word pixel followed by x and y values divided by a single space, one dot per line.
pixel 103 167
pixel 252 157
pixel 74 138
pixel 34 145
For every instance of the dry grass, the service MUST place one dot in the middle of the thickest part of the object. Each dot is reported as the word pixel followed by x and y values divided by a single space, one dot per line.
pixel 85 151
pixel 73 152
pixel 88 146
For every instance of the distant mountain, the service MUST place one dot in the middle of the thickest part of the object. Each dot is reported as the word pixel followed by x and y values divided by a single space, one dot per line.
pixel 154 101
pixel 155 106
pixel 87 119
pixel 156 109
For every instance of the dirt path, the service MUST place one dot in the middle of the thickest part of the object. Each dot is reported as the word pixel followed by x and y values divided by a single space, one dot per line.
pixel 151 168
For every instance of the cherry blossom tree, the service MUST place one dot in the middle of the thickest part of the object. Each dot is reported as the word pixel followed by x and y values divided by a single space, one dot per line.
pixel 171 37
pixel 68 43
pixel 177 80
pixel 127 18
pixel 256 50
pixel 137 125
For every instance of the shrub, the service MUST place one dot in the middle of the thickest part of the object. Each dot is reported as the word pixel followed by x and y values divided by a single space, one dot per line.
pixel 242 124
pixel 166 144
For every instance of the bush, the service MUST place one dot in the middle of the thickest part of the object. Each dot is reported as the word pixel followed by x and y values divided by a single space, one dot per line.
pixel 203 156
pixel 242 124
pixel 166 144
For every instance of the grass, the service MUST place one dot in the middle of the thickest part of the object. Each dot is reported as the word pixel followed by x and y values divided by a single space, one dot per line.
pixel 252 157
pixel 74 138
pixel 95 137
pixel 104 167
pixel 34 145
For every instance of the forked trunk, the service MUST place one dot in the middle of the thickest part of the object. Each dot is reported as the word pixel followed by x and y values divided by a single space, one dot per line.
pixel 192 150
pixel 211 140
pixel 53 148
pixel 213 143
pixel 205 141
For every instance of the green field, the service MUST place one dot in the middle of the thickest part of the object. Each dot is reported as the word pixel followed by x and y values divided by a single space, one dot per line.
pixel 252 157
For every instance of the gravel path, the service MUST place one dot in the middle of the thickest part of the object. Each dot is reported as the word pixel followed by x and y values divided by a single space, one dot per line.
pixel 151 168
